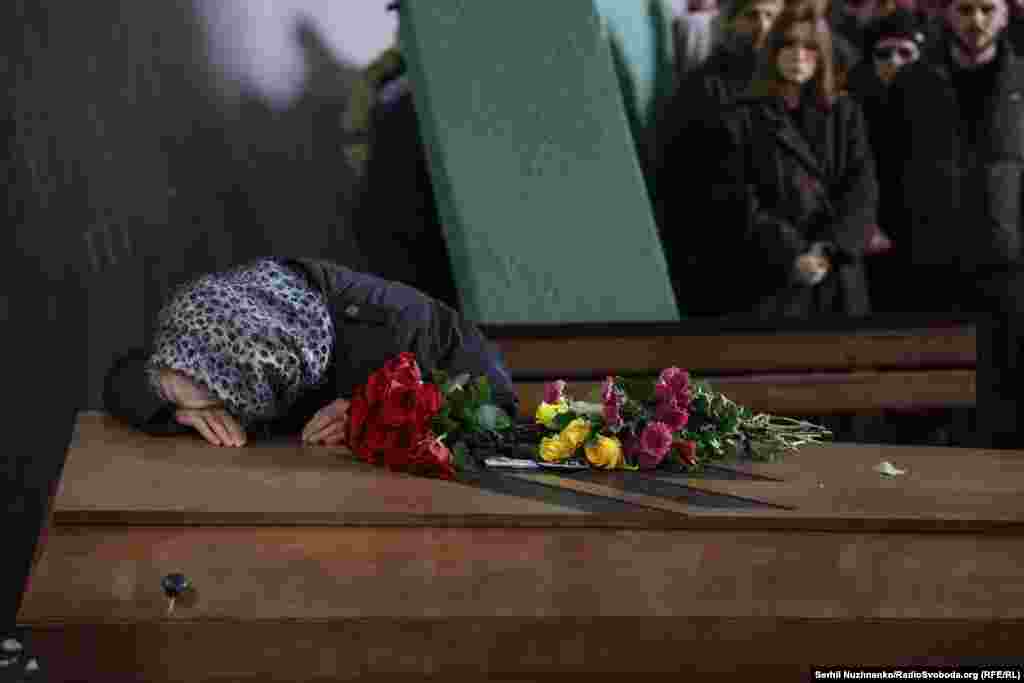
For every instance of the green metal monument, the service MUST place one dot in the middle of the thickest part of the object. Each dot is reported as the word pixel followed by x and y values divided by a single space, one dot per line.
pixel 544 207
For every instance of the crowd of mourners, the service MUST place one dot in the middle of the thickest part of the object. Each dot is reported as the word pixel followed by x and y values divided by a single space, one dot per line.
pixel 862 156
pixel 817 156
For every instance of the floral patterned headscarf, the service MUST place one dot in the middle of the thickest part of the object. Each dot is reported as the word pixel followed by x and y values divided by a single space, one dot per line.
pixel 256 337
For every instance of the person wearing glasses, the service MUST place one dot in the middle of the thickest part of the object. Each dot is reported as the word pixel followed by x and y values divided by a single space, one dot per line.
pixel 794 190
pixel 854 16
pixel 891 43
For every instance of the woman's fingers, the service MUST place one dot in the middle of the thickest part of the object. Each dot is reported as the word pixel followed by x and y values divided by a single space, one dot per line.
pixel 216 426
pixel 201 423
pixel 220 426
pixel 332 435
pixel 218 430
pixel 314 425
pixel 334 412
pixel 234 429
pixel 336 424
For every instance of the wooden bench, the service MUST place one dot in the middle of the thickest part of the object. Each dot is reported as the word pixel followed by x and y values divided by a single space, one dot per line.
pixel 309 565
pixel 891 364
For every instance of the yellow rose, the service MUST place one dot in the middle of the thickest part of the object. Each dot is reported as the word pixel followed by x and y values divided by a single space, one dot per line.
pixel 606 453
pixel 546 412
pixel 575 433
pixel 553 449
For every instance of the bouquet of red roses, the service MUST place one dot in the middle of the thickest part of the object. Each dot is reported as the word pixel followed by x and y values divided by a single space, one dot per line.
pixel 400 420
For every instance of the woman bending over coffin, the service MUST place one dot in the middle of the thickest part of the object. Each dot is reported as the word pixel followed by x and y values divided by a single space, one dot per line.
pixel 794 189
pixel 279 345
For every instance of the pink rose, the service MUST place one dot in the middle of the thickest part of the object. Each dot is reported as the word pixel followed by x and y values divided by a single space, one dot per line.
pixel 673 384
pixel 672 414
pixel 655 443
pixel 613 416
pixel 608 393
pixel 554 391
pixel 613 401
pixel 678 380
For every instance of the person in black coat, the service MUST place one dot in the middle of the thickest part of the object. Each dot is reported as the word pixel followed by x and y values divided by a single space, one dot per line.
pixel 957 127
pixel 697 105
pixel 795 190
pixel 957 116
pixel 279 345
pixel 892 42
pixel 395 217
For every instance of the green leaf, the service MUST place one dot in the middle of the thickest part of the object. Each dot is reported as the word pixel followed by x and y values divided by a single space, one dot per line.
pixel 440 378
pixel 487 416
pixel 562 421
pixel 502 419
pixel 457 402
pixel 460 453
pixel 638 388
pixel 483 389
pixel 459 382
pixel 446 425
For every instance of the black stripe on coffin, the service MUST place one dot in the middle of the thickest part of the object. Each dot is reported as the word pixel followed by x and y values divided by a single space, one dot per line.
pixel 497 482
pixel 710 472
pixel 638 482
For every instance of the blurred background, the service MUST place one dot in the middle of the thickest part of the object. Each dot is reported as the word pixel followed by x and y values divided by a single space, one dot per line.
pixel 148 142
pixel 151 142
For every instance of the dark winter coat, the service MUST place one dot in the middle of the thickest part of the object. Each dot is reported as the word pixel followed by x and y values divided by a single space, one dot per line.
pixel 679 175
pixel 873 97
pixel 396 221
pixel 776 192
pixel 961 201
pixel 374 321
pixel 886 273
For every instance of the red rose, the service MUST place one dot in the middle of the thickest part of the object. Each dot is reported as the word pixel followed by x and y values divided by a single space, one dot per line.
pixel 428 405
pixel 390 416
pixel 432 458
pixel 404 369
pixel 400 404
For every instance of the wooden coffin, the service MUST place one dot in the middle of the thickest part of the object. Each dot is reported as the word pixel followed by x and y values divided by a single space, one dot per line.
pixel 309 565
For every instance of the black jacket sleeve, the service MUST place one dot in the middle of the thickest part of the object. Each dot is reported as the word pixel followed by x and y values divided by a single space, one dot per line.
pixel 765 236
pixel 457 345
pixel 127 396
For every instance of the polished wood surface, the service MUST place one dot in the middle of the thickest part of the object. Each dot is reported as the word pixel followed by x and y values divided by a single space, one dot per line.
pixel 515 649
pixel 116 475
pixel 309 565
pixel 247 574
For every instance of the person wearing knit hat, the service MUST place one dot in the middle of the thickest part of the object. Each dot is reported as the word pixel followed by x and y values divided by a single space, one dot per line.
pixel 892 42
pixel 855 15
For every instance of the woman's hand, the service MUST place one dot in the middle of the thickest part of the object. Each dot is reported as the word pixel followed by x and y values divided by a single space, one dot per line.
pixel 214 423
pixel 328 425
pixel 182 391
